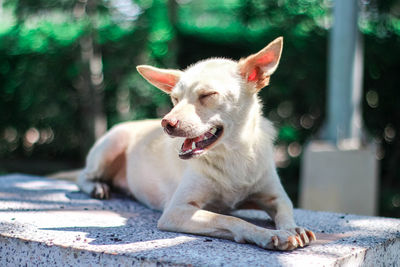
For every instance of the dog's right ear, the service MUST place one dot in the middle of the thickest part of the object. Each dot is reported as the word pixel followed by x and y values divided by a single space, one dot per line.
pixel 163 79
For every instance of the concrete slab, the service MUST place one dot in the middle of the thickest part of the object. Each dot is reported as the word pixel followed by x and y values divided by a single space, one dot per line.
pixel 347 179
pixel 49 222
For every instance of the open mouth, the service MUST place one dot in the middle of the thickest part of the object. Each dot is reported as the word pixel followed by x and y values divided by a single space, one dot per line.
pixel 196 146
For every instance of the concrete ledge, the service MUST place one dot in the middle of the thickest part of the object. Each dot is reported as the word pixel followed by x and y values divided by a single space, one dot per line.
pixel 50 222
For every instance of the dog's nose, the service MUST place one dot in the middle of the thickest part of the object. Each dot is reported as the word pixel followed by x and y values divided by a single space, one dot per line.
pixel 169 124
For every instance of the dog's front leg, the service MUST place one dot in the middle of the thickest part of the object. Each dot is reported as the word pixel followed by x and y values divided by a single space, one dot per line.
pixel 274 200
pixel 184 213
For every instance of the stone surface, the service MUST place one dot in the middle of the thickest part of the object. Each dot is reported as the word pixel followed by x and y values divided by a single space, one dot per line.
pixel 49 222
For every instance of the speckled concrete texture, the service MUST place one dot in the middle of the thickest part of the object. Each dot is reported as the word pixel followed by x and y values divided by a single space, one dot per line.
pixel 49 222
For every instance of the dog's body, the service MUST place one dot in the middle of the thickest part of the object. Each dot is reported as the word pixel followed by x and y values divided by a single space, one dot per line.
pixel 228 147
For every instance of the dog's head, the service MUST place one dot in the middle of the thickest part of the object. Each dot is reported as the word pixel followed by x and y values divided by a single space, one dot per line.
pixel 215 98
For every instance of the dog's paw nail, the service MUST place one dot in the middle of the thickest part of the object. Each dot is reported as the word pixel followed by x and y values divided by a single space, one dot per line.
pixel 304 238
pixel 299 241
pixel 293 242
pixel 311 235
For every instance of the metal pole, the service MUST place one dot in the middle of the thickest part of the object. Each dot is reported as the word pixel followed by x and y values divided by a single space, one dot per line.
pixel 345 75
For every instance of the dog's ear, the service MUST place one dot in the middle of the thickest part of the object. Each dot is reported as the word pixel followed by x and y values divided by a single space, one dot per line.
pixel 257 68
pixel 164 79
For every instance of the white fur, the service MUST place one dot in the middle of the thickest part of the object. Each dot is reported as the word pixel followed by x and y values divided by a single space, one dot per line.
pixel 141 159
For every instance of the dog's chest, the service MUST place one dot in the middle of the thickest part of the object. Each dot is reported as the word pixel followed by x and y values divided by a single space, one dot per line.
pixel 226 201
pixel 234 180
pixel 233 198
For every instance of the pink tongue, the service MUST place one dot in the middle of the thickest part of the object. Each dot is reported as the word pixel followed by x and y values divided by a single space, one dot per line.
pixel 188 142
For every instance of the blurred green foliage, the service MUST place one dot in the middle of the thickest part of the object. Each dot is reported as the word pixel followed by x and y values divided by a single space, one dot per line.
pixel 41 71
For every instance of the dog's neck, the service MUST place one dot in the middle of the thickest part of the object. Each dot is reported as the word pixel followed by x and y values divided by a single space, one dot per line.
pixel 251 121
pixel 231 162
pixel 248 132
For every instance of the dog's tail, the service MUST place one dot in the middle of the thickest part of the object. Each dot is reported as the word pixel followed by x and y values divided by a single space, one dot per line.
pixel 66 175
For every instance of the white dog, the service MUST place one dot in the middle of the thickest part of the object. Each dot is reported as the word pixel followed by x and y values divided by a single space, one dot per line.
pixel 221 158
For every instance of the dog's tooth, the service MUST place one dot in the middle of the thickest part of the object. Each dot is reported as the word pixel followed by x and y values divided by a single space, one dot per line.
pixel 193 145
pixel 213 130
pixel 185 152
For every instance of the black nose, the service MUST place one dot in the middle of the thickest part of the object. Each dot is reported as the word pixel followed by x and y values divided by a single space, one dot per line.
pixel 169 129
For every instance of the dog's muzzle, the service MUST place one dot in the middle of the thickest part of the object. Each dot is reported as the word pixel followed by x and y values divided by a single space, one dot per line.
pixel 196 146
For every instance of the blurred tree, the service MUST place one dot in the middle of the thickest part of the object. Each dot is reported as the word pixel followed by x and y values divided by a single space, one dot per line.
pixel 58 60
pixel 90 82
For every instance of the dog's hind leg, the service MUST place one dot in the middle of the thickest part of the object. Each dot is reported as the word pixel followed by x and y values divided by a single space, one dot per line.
pixel 105 164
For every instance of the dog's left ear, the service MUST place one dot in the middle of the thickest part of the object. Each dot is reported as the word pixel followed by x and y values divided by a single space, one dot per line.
pixel 257 68
pixel 164 79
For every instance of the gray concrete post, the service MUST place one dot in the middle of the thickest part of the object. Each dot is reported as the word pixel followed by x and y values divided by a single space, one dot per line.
pixel 339 173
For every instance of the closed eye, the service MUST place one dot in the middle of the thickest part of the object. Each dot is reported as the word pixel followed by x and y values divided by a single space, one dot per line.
pixel 205 96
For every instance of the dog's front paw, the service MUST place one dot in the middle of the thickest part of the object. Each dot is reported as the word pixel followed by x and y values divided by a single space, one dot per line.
pixel 276 240
pixel 288 239
pixel 100 191
pixel 284 240
pixel 303 236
